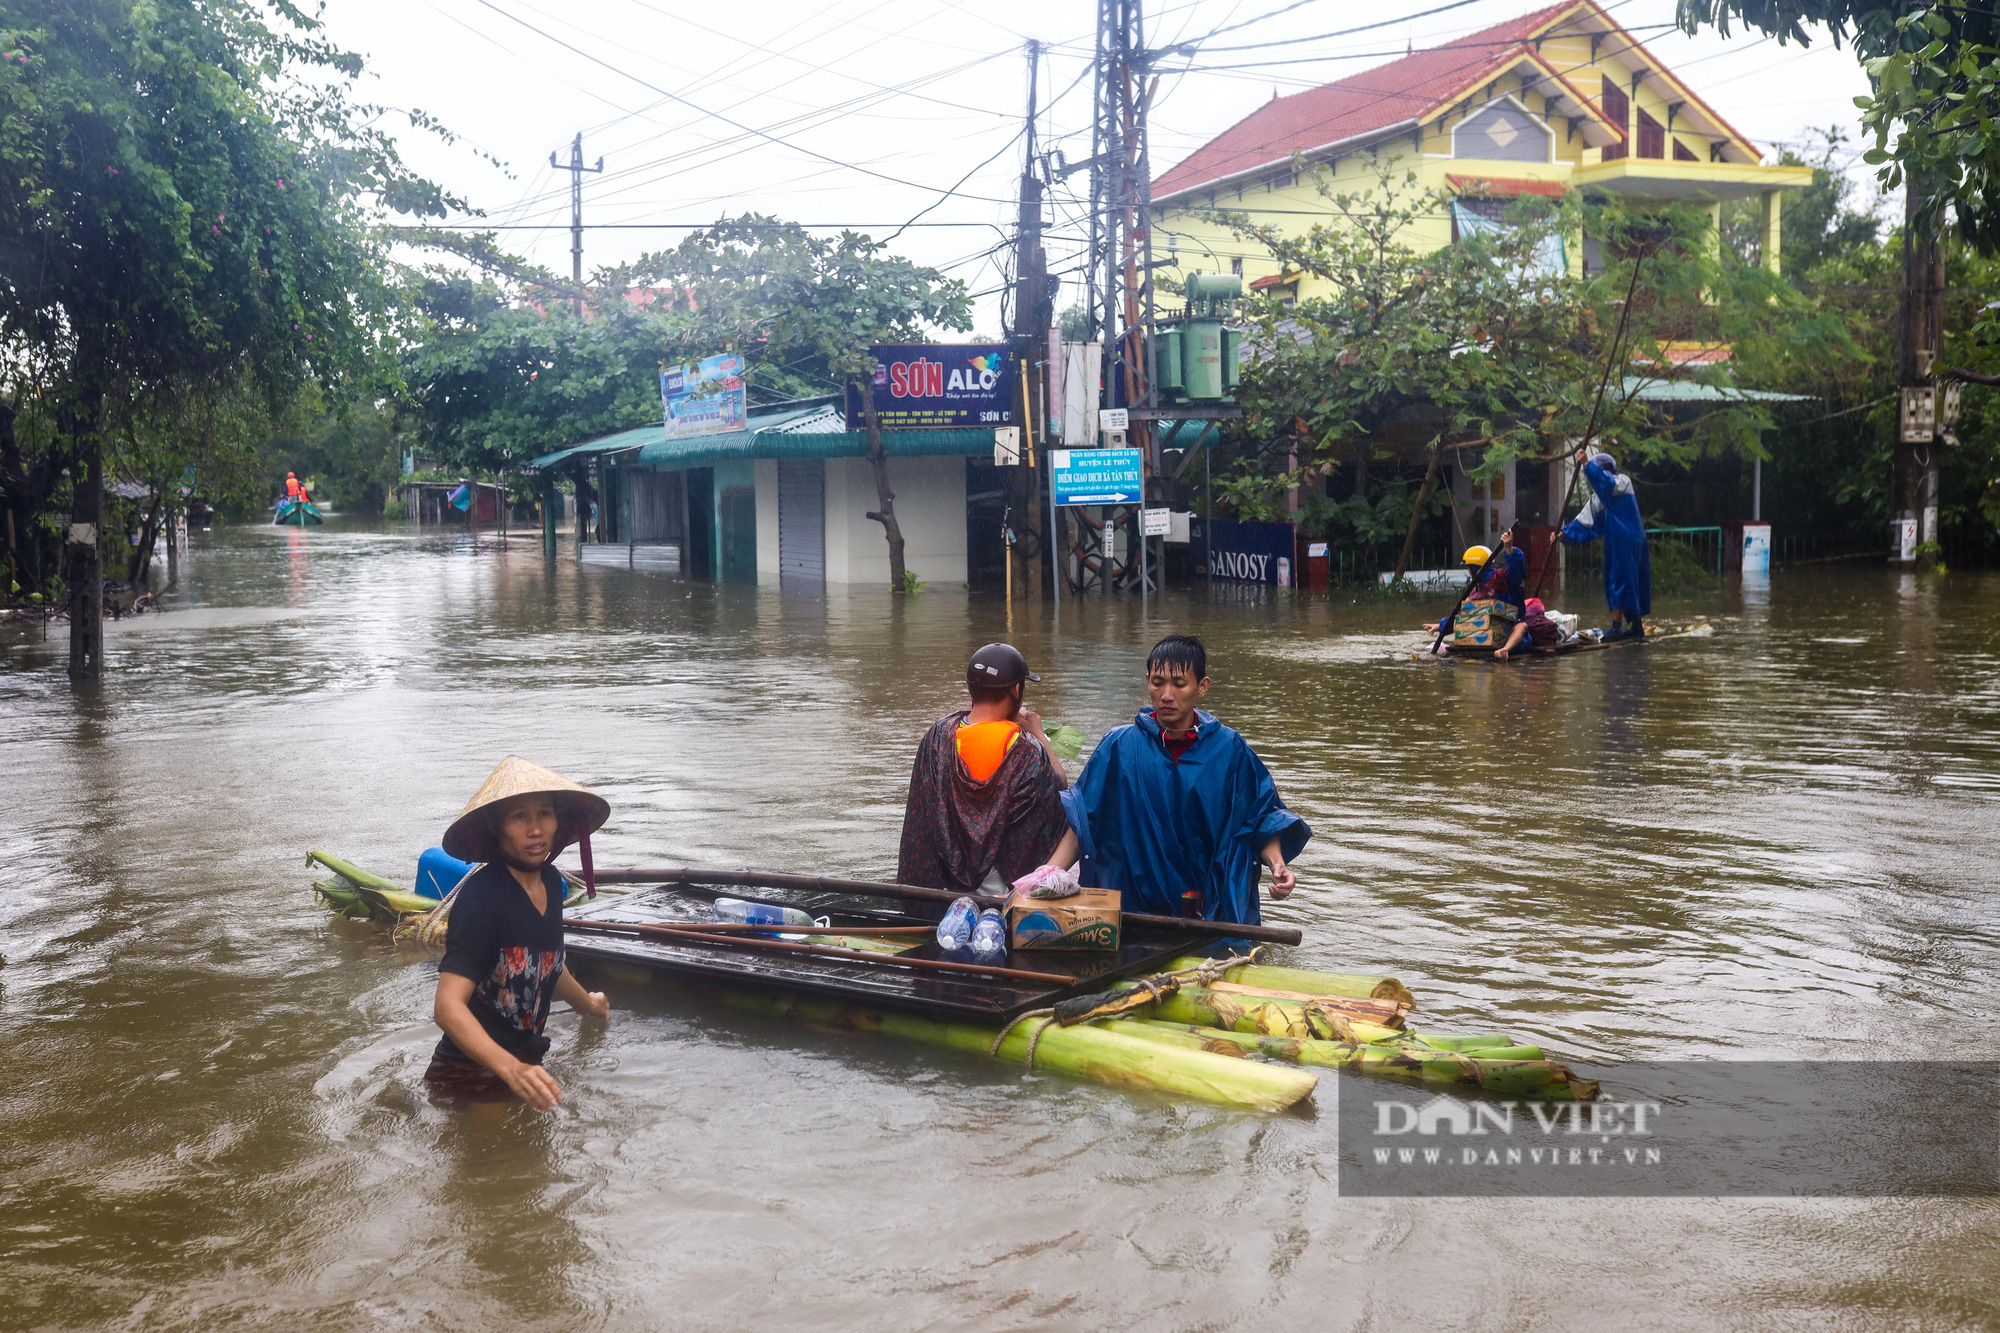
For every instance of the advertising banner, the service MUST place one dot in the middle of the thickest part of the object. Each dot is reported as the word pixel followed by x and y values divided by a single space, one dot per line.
pixel 1227 548
pixel 962 384
pixel 1097 476
pixel 705 398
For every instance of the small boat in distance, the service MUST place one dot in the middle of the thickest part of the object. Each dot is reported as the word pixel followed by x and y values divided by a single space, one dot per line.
pixel 297 513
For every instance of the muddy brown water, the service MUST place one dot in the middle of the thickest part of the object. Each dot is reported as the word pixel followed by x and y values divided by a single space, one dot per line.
pixel 1779 842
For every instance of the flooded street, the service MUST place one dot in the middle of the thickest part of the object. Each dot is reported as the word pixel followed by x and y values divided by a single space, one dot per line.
pixel 1776 843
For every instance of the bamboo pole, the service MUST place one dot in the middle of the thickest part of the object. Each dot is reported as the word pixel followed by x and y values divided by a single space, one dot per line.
pixel 773 879
pixel 819 950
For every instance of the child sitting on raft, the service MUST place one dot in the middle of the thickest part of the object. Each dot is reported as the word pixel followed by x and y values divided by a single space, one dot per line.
pixel 1537 629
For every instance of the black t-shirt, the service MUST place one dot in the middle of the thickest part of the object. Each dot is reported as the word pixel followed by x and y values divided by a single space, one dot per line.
pixel 511 954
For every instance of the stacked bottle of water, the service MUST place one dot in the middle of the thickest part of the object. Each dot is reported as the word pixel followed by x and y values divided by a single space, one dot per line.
pixel 955 931
pixel 989 938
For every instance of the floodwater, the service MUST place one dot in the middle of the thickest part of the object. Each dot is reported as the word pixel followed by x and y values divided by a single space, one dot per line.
pixel 1778 842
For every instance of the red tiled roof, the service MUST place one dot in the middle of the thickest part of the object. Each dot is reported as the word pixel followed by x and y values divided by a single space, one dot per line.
pixel 1398 93
pixel 1506 186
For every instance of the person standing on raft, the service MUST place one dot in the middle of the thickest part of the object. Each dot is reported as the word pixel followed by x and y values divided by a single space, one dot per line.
pixel 503 953
pixel 1176 811
pixel 1612 512
pixel 986 789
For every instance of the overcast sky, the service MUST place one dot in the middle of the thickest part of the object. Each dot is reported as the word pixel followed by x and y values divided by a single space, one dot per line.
pixel 872 113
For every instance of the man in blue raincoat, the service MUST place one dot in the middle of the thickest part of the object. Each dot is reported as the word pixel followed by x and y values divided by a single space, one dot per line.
pixel 1175 811
pixel 1612 512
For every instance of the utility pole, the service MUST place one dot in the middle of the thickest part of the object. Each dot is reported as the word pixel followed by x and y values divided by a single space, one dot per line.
pixel 576 171
pixel 1120 262
pixel 1914 487
pixel 1034 313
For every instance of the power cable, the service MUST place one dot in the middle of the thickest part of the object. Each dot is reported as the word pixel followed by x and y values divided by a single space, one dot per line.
pixel 735 124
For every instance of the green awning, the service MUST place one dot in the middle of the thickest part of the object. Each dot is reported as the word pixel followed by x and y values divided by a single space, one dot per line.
pixel 603 444
pixel 1648 390
pixel 809 431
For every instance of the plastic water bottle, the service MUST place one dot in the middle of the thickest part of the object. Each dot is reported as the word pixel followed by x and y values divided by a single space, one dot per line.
pixel 756 914
pixel 955 931
pixel 989 938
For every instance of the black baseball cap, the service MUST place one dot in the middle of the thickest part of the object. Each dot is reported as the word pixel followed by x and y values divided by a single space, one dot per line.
pixel 998 665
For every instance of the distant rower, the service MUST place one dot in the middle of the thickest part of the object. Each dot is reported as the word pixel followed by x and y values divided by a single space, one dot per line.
pixel 1612 512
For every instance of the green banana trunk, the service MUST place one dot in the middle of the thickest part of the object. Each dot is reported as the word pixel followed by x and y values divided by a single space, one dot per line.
pixel 1313 983
pixel 353 874
pixel 1546 1080
pixel 1114 1058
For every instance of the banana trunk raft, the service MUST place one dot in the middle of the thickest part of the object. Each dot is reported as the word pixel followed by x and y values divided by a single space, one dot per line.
pixel 1153 1017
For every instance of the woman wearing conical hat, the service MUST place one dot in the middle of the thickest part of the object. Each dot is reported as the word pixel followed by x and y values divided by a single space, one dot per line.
pixel 503 956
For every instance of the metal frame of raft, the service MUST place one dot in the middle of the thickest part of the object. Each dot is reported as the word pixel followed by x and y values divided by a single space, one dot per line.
pixel 996 996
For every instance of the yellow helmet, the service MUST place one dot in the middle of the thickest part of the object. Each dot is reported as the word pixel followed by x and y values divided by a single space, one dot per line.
pixel 1476 556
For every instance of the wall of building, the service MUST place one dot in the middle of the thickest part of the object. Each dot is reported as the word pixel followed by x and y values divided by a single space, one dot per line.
pixel 930 506
pixel 765 471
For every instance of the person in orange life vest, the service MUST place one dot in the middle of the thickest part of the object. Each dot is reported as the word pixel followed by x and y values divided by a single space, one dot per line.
pixel 291 486
pixel 985 789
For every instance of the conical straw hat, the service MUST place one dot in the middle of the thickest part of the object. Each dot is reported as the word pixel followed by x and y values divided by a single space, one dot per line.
pixel 580 810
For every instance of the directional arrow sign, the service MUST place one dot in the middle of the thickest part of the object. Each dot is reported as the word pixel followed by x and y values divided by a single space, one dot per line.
pixel 1097 476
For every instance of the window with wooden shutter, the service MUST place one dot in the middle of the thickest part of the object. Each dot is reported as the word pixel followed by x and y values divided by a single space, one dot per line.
pixel 1652 137
pixel 1617 109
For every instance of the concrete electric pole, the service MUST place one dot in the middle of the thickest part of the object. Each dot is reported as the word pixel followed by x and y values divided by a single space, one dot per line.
pixel 1913 506
pixel 576 171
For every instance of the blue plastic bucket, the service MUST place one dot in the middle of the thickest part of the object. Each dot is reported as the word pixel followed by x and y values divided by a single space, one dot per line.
pixel 439 873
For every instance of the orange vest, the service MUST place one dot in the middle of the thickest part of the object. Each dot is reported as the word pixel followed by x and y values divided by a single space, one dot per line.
pixel 983 745
pixel 292 487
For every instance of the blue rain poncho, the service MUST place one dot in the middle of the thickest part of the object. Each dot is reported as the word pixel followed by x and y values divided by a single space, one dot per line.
pixel 1153 829
pixel 1613 514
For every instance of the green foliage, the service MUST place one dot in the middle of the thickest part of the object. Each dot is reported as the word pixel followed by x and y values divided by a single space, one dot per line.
pixel 495 381
pixel 354 454
pixel 1399 351
pixel 911 585
pixel 187 197
pixel 1935 76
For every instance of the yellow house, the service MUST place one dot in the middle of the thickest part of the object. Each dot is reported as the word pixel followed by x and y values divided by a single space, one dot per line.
pixel 1556 100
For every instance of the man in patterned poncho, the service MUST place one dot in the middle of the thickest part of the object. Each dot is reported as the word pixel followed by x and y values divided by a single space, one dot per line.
pixel 985 791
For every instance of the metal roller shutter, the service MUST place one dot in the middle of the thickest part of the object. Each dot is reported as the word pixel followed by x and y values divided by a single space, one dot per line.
pixel 802 520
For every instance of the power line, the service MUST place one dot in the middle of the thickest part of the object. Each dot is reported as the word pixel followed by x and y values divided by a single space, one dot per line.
pixel 1327 36
pixel 644 83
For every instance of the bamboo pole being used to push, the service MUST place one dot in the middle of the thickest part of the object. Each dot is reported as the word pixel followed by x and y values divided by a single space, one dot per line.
pixel 864 888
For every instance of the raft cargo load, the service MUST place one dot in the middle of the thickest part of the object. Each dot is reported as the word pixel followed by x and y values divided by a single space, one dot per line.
pixel 1153 1014
pixel 1585 642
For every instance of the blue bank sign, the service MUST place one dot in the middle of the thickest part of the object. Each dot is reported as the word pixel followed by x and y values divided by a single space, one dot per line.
pixel 1097 476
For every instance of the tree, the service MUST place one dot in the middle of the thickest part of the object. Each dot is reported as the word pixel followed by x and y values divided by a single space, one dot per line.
pixel 1489 344
pixel 495 382
pixel 183 199
pixel 1934 69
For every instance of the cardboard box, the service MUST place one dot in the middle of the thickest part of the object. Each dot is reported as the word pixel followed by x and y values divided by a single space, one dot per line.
pixel 1483 624
pixel 1086 920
